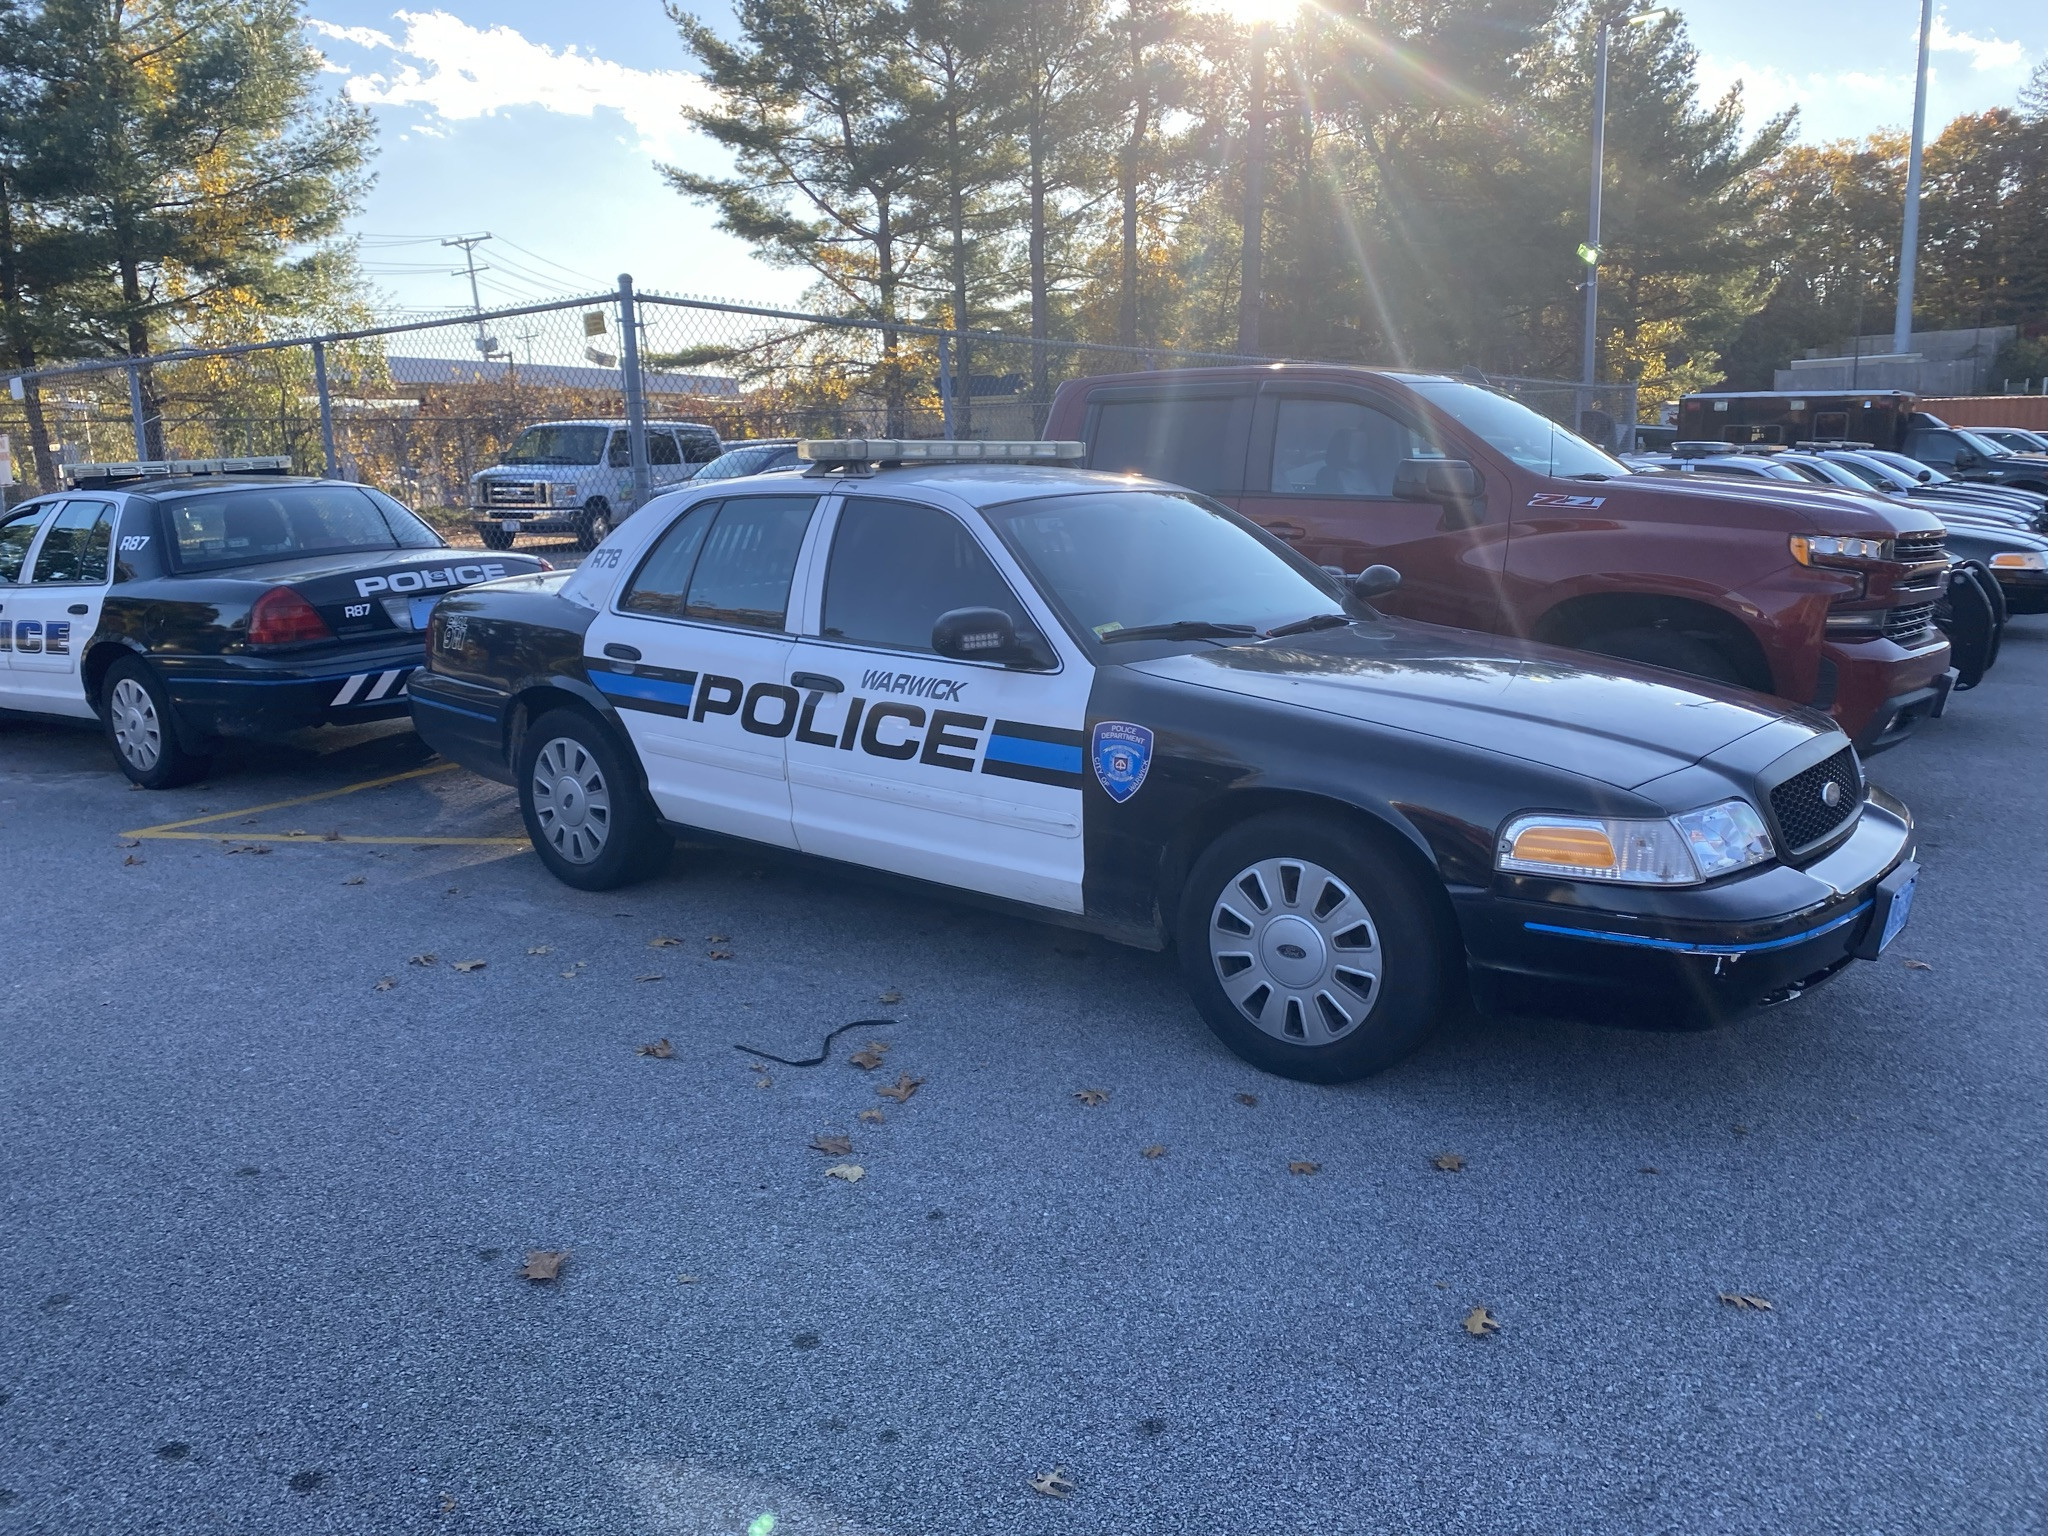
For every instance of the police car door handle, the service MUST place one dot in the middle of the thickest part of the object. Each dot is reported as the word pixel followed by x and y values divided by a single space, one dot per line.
pixel 817 680
pixel 621 652
pixel 76 608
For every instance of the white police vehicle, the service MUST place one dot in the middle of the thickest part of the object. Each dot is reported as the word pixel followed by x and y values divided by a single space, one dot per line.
pixel 576 477
pixel 1108 702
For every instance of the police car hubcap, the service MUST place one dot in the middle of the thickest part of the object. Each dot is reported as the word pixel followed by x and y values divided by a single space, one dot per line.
pixel 136 729
pixel 1295 950
pixel 570 800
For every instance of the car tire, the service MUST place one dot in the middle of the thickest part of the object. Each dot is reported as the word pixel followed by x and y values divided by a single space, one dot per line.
pixel 590 821
pixel 1347 944
pixel 594 523
pixel 496 538
pixel 1670 649
pixel 143 729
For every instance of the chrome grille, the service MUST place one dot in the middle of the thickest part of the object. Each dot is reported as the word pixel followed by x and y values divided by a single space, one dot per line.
pixel 1903 624
pixel 1800 806
pixel 515 493
pixel 1912 548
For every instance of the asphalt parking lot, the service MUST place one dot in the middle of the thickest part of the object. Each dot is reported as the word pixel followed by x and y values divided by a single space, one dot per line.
pixel 265 1215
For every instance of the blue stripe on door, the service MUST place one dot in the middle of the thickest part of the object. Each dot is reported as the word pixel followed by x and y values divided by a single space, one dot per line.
pixel 654 690
pixel 1033 754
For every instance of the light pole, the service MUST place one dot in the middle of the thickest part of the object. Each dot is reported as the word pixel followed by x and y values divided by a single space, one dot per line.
pixel 1589 253
pixel 1909 240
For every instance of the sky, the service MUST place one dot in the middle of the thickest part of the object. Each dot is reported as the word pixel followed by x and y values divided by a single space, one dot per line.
pixel 542 123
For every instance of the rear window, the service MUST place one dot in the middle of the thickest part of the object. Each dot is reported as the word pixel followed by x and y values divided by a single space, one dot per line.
pixel 214 530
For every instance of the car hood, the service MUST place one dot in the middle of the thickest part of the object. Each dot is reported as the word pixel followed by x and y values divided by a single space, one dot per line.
pixel 1619 724
pixel 1814 508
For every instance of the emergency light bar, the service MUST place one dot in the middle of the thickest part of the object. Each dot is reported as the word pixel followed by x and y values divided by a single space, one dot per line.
pixel 161 469
pixel 924 450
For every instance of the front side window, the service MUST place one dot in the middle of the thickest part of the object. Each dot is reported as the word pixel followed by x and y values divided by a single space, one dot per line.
pixel 17 534
pixel 558 445
pixel 897 566
pixel 79 544
pixel 1340 448
pixel 213 530
pixel 1511 429
pixel 1117 560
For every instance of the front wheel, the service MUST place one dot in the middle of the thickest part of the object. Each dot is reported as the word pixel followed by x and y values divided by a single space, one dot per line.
pixel 142 728
pixel 590 821
pixel 1667 648
pixel 594 524
pixel 1312 952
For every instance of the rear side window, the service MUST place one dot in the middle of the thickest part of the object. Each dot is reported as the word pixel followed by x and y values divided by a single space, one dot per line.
pixel 897 566
pixel 16 535
pixel 661 449
pixel 79 545
pixel 661 586
pixel 1193 440
pixel 749 556
pixel 219 529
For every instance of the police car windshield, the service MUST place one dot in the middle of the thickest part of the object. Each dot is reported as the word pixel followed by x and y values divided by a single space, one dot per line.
pixel 1533 441
pixel 213 530
pixel 558 445
pixel 1121 560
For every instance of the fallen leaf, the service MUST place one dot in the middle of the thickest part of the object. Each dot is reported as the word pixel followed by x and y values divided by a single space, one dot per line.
pixel 901 1090
pixel 1304 1167
pixel 832 1146
pixel 542 949
pixel 686 1279
pixel 298 832
pixel 570 975
pixel 129 842
pixel 471 965
pixel 131 859
pixel 661 1050
pixel 1448 1162
pixel 1740 1130
pixel 721 954
pixel 426 959
pixel 853 1173
pixel 650 976
pixel 385 984
pixel 891 996
pixel 1743 1302
pixel 544 1263
pixel 353 880
pixel 1918 965
pixel 1093 1097
pixel 1479 1323
pixel 448 1504
pixel 869 1056
pixel 1153 1151
pixel 1249 1098
pixel 1649 1170
pixel 872 1116
pixel 763 1080
pixel 1055 1484
pixel 663 942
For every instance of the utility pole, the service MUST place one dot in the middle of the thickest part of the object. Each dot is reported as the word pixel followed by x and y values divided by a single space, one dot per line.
pixel 1251 294
pixel 1909 243
pixel 485 345
pixel 1589 253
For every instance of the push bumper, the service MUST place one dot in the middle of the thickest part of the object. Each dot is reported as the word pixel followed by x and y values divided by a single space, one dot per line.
pixel 1689 958
pixel 262 696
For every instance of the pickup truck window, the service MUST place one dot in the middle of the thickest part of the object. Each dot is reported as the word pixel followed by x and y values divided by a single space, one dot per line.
pixel 1189 440
pixel 1509 427
pixel 1340 448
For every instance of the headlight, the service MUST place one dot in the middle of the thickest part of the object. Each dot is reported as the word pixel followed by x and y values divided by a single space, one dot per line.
pixel 1680 850
pixel 2035 561
pixel 565 491
pixel 1820 549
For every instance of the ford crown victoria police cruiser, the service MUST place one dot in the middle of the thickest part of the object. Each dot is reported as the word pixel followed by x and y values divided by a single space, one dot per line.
pixel 184 601
pixel 1114 704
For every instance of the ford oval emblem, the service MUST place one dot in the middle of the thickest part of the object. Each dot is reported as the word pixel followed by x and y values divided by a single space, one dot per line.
pixel 1831 794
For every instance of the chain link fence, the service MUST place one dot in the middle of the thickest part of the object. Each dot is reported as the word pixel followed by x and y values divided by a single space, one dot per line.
pixel 418 409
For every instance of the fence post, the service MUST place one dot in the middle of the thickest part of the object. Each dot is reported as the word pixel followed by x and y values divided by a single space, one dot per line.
pixel 634 388
pixel 946 384
pixel 326 407
pixel 135 411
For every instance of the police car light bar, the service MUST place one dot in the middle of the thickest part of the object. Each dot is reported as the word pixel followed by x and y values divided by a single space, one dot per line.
pixel 910 450
pixel 159 469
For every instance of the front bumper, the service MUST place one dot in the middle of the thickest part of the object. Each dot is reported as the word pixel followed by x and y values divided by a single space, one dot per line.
pixel 266 696
pixel 1685 958
pixel 529 519
pixel 1883 691
pixel 2025 591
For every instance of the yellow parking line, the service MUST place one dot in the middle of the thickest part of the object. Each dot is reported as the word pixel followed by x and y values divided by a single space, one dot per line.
pixel 173 831
pixel 282 805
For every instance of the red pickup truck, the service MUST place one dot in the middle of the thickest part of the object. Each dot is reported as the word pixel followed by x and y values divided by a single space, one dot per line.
pixel 1499 519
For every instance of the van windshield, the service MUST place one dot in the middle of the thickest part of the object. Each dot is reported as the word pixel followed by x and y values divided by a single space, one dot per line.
pixel 558 445
pixel 1509 427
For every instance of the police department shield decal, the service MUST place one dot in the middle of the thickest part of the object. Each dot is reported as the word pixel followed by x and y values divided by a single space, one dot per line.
pixel 1122 753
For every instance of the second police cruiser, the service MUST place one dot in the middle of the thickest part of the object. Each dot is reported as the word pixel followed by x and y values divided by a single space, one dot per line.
pixel 1111 703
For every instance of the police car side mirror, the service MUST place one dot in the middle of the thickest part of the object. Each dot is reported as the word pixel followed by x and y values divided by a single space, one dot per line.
pixel 1375 581
pixel 976 634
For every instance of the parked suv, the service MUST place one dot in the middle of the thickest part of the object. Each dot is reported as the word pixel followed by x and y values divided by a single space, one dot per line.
pixel 1966 455
pixel 577 477
pixel 1499 519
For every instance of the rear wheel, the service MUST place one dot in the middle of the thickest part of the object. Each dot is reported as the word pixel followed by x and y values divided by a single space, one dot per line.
pixel 1312 952
pixel 590 821
pixel 1668 648
pixel 495 537
pixel 594 523
pixel 142 728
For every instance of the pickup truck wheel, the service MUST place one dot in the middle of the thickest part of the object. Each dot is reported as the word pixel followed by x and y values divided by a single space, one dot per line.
pixel 594 524
pixel 590 821
pixel 496 538
pixel 1667 648
pixel 142 728
pixel 1310 951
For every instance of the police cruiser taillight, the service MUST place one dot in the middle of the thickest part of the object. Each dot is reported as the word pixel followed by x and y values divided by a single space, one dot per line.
pixel 924 450
pixel 283 617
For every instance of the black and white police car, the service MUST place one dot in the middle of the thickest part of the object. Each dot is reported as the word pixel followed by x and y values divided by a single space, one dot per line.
pixel 1110 703
pixel 182 601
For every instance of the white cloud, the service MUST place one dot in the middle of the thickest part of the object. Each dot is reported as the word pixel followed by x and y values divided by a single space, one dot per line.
pixel 1845 103
pixel 1984 52
pixel 452 72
